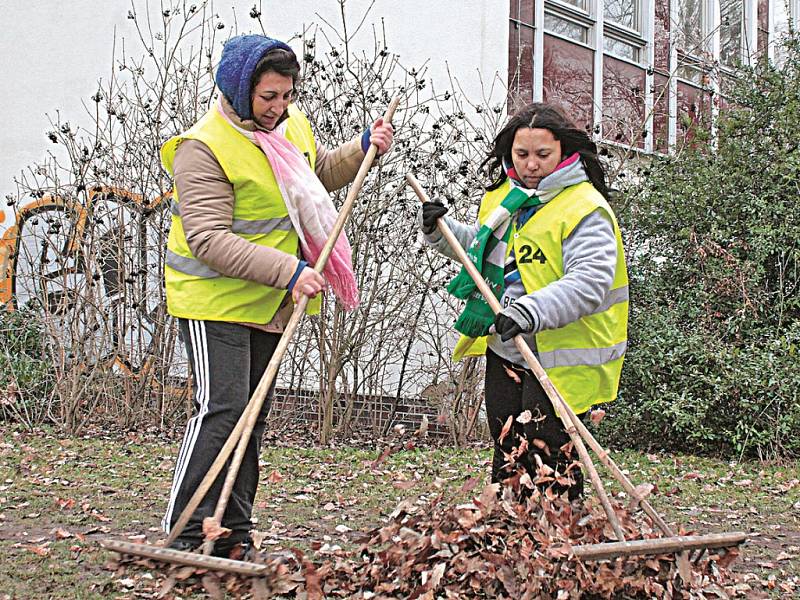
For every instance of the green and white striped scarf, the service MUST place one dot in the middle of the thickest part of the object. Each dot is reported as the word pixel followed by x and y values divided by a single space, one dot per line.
pixel 488 253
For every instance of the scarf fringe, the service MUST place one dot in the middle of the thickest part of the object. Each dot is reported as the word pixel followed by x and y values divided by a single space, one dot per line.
pixel 338 271
pixel 474 324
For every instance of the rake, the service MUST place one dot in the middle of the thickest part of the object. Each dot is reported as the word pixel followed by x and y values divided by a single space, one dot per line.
pixel 578 433
pixel 240 435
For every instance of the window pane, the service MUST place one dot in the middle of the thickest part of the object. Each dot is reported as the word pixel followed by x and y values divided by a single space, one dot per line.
pixel 694 111
pixel 565 28
pixel 690 26
pixel 782 18
pixel 623 102
pixel 730 31
pixel 568 79
pixel 622 49
pixel 522 10
pixel 624 12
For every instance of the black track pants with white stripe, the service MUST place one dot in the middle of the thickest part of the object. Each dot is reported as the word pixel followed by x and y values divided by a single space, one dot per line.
pixel 227 361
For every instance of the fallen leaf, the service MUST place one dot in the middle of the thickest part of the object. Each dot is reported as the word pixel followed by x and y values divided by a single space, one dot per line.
pixel 275 477
pixel 404 485
pixel 40 550
pixel 597 415
pixel 212 530
pixel 469 485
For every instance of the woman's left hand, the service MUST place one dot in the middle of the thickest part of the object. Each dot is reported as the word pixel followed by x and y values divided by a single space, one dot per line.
pixel 381 134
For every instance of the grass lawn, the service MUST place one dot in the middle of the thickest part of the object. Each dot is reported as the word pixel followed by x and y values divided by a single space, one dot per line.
pixel 59 496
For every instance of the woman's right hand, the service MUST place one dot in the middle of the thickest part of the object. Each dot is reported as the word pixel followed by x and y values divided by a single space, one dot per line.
pixel 309 283
pixel 432 212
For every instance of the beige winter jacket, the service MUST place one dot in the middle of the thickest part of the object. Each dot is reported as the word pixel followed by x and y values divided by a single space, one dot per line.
pixel 206 200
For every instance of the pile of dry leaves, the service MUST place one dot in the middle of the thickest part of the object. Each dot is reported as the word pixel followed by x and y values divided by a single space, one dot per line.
pixel 492 547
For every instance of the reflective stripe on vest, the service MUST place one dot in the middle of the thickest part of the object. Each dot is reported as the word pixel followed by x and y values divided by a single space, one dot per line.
pixel 263 226
pixel 614 297
pixel 259 226
pixel 189 265
pixel 574 357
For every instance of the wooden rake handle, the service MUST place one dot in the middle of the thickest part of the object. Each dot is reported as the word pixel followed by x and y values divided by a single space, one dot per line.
pixel 562 409
pixel 240 435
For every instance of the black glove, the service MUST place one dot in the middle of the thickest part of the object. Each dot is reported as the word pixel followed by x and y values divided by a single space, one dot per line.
pixel 506 327
pixel 431 211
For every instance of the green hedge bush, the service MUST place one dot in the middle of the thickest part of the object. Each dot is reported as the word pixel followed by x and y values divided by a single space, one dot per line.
pixel 714 253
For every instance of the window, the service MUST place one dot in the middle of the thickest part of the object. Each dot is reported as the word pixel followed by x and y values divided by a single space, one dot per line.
pixel 691 28
pixel 731 31
pixel 520 53
pixel 622 12
pixel 621 49
pixel 784 17
pixel 566 28
pixel 622 31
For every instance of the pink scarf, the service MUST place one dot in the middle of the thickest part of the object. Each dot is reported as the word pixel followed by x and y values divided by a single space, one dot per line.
pixel 310 209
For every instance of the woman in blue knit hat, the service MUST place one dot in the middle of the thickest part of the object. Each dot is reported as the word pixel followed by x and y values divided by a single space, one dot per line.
pixel 251 210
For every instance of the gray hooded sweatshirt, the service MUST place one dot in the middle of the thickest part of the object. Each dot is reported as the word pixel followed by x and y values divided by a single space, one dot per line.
pixel 590 260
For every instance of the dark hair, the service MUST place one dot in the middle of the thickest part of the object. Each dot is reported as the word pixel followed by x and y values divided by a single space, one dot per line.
pixel 283 62
pixel 550 117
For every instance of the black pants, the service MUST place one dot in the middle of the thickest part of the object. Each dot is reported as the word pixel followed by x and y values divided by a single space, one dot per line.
pixel 505 397
pixel 227 361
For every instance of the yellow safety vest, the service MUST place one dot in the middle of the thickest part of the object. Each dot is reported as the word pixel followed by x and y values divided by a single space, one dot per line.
pixel 195 290
pixel 584 358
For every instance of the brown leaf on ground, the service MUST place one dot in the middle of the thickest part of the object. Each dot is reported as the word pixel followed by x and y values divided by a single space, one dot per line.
pixel 469 485
pixel 64 503
pixel 384 455
pixel 404 485
pixel 213 531
pixel 40 550
pixel 212 586
pixel 274 477
pixel 166 587
pixel 597 415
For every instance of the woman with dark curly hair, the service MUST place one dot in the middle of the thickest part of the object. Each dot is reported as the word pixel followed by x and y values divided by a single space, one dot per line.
pixel 549 246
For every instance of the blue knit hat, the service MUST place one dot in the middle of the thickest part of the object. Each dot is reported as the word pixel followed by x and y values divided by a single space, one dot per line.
pixel 240 55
